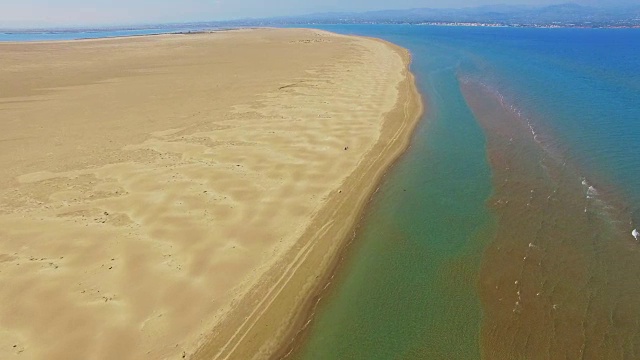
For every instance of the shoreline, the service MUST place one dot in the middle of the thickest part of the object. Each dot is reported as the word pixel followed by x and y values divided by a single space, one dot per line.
pixel 373 167
pixel 227 213
pixel 300 333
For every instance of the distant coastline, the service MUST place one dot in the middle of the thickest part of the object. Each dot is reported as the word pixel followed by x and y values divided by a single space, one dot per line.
pixel 36 35
pixel 537 26
pixel 547 17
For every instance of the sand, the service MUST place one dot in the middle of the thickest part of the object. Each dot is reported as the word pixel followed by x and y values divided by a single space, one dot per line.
pixel 182 195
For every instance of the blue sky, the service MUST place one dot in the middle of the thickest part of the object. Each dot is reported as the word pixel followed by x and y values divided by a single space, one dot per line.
pixel 24 13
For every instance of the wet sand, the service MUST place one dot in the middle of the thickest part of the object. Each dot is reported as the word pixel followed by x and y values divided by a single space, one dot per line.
pixel 178 194
pixel 560 279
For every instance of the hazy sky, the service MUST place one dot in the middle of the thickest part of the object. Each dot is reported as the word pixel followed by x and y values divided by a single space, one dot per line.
pixel 14 13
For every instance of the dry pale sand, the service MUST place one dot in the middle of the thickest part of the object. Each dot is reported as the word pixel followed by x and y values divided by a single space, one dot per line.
pixel 177 196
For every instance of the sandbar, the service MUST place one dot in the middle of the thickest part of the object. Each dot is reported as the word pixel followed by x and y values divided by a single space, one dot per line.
pixel 180 196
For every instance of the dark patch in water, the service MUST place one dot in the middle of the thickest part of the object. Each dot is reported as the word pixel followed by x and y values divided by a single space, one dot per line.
pixel 562 277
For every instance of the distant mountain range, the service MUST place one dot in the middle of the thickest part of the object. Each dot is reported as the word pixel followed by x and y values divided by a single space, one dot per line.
pixel 563 15
pixel 507 15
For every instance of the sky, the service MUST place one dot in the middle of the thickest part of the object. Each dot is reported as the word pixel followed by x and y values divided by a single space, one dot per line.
pixel 43 13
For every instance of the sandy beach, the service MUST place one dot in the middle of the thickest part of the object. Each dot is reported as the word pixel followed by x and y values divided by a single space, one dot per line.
pixel 181 196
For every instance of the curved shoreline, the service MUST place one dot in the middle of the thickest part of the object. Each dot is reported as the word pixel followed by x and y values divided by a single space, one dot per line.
pixel 180 181
pixel 300 332
pixel 291 302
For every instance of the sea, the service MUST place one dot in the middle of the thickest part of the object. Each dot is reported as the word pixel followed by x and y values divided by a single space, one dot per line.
pixel 505 230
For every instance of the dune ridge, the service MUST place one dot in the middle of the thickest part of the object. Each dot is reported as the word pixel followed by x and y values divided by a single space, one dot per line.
pixel 155 188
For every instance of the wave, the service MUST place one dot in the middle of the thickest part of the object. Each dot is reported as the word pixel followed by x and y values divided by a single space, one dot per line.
pixel 506 104
pixel 591 191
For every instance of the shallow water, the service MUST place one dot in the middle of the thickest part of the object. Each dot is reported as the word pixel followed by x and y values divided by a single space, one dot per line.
pixel 560 278
pixel 505 231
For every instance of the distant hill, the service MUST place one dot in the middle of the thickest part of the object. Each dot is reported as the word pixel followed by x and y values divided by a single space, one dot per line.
pixel 509 15
pixel 563 15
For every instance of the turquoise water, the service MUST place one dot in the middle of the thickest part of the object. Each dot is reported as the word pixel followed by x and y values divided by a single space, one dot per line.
pixel 419 280
pixel 408 289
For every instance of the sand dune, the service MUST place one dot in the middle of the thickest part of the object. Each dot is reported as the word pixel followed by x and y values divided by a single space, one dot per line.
pixel 156 192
